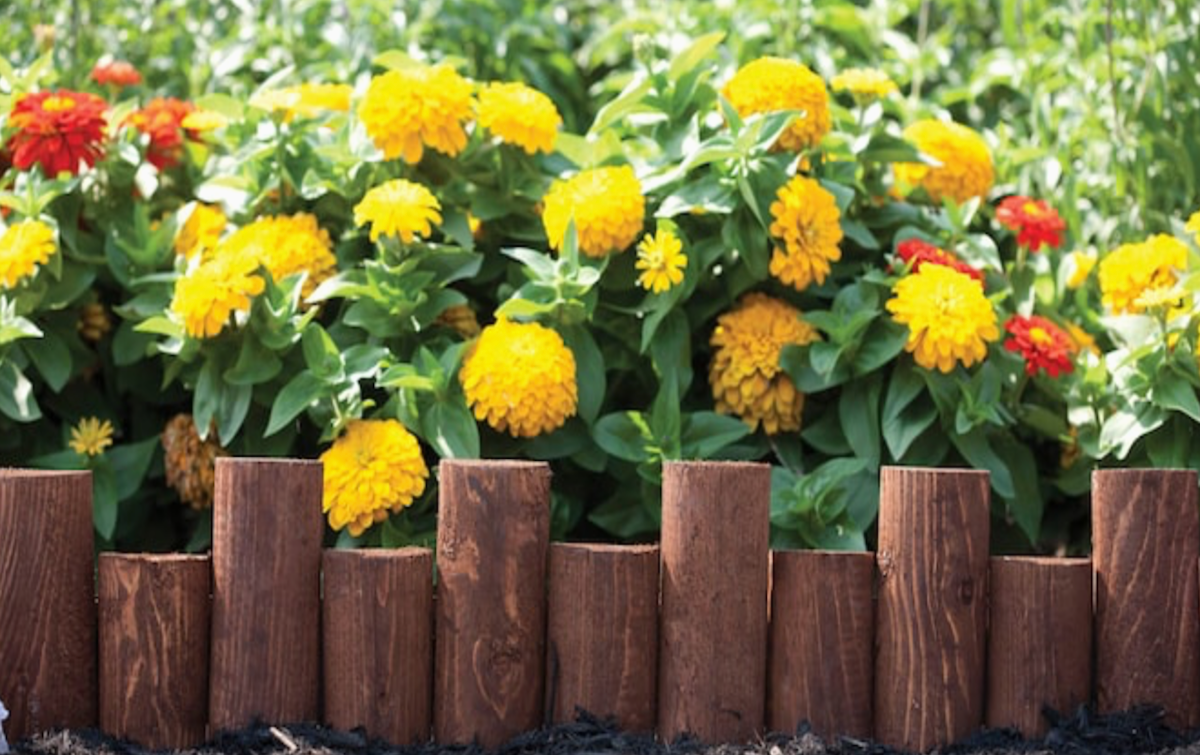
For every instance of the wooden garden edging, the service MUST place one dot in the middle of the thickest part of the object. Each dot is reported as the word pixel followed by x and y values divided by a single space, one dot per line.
pixel 528 633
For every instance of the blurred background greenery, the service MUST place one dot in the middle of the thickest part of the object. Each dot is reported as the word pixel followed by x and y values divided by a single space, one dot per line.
pixel 1094 104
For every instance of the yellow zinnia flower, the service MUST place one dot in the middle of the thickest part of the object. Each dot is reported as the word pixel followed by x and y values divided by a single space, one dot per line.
pixel 1193 225
pixel 1081 340
pixel 745 375
pixel 203 120
pixel 398 208
pixel 520 115
pixel 201 231
pixel 520 378
pixel 661 260
pixel 206 297
pixel 966 163
pixel 1131 269
pixel 304 100
pixel 23 247
pixel 373 469
pixel 607 205
pixel 285 245
pixel 807 220
pixel 91 436
pixel 1080 267
pixel 864 84
pixel 423 106
pixel 949 319
pixel 771 84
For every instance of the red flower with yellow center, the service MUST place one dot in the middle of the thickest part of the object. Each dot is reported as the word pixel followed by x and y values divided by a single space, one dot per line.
pixel 1035 222
pixel 161 120
pixel 1042 344
pixel 118 73
pixel 917 253
pixel 57 130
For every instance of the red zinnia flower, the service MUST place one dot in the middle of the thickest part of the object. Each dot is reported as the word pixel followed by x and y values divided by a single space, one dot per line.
pixel 1035 222
pixel 161 119
pixel 1044 345
pixel 57 130
pixel 916 253
pixel 118 73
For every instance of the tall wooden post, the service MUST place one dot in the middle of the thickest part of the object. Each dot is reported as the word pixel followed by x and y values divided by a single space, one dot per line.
pixel 493 538
pixel 47 601
pixel 154 625
pixel 822 642
pixel 378 636
pixel 266 649
pixel 1145 545
pixel 933 559
pixel 602 633
pixel 713 631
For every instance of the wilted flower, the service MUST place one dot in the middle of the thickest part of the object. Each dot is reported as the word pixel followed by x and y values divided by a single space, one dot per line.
pixel 190 463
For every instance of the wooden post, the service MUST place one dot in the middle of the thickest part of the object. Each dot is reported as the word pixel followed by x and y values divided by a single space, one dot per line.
pixel 713 631
pixel 1145 544
pixel 602 633
pixel 493 538
pixel 1040 643
pixel 47 601
pixel 378 635
pixel 266 649
pixel 154 624
pixel 822 635
pixel 933 559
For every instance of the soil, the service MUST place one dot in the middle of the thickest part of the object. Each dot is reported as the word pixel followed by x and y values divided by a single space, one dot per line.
pixel 1135 732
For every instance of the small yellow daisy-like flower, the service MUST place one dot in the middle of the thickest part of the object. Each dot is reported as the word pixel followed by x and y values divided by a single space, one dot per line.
pixel 745 375
pixel 864 84
pixel 520 378
pixel 190 463
pixel 399 208
pixel 93 322
pixel 1193 225
pixel 201 231
pixel 1131 269
pixel 949 319
pixel 520 115
pixel 607 205
pixel 1080 266
pixel 23 247
pixel 661 260
pixel 771 84
pixel 212 291
pixel 375 468
pixel 966 163
pixel 423 106
pixel 204 120
pixel 461 319
pixel 807 220
pixel 91 436
pixel 285 245
pixel 304 100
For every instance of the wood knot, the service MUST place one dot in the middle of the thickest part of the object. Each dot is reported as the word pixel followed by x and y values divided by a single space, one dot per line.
pixel 884 561
pixel 966 590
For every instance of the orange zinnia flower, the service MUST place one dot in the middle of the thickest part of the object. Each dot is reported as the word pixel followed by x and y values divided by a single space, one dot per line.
pixel 161 119
pixel 117 73
pixel 1044 345
pixel 1035 222
pixel 57 130
pixel 917 253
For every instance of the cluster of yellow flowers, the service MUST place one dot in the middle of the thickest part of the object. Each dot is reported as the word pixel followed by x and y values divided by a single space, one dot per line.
pixel 1132 269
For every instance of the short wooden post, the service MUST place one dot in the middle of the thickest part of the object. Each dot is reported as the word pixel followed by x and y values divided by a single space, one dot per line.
pixel 266 649
pixel 493 539
pixel 378 637
pixel 47 601
pixel 154 625
pixel 932 614
pixel 1040 640
pixel 602 633
pixel 713 630
pixel 1145 544
pixel 822 634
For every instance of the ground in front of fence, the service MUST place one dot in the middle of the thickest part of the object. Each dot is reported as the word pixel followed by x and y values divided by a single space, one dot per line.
pixel 1134 733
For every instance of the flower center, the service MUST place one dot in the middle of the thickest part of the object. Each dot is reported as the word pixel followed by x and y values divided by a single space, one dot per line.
pixel 1040 337
pixel 1033 209
pixel 57 104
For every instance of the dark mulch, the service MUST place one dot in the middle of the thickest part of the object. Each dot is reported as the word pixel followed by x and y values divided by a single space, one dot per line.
pixel 1136 732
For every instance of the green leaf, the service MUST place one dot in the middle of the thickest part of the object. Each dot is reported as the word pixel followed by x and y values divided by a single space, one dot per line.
pixel 977 450
pixel 16 395
pixel 52 359
pixel 300 393
pixel 233 403
pixel 130 462
pixel 104 499
pixel 858 410
pixel 885 148
pixel 882 343
pixel 623 435
pixel 706 433
pixel 589 370
pixel 206 398
pixel 450 428
pixel 1171 391
pixel 1026 503
pixel 671 351
pixel 694 54
pixel 321 354
pixel 255 364
pixel 625 103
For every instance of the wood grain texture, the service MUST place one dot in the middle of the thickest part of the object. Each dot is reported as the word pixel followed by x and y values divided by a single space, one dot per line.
pixel 378 640
pixel 822 633
pixel 602 633
pixel 493 541
pixel 266 647
pixel 1039 640
pixel 713 625
pixel 47 601
pixel 1145 544
pixel 154 625
pixel 932 612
